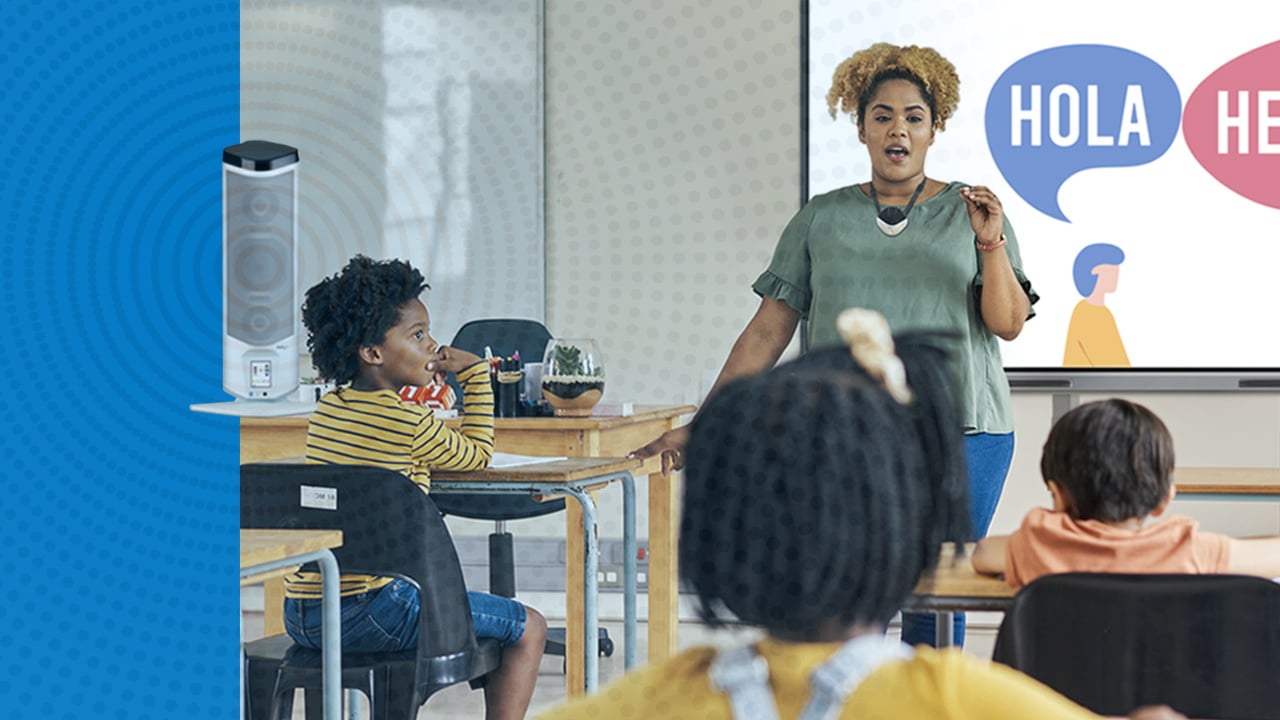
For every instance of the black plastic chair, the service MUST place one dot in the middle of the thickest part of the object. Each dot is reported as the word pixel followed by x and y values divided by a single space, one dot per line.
pixel 390 527
pixel 505 336
pixel 1207 645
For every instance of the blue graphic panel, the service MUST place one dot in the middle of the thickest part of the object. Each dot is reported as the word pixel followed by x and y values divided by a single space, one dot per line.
pixel 1066 109
pixel 120 509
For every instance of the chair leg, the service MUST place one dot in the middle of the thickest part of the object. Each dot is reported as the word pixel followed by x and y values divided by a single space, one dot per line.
pixel 502 565
pixel 313 699
pixel 400 696
pixel 281 705
pixel 257 698
pixel 263 698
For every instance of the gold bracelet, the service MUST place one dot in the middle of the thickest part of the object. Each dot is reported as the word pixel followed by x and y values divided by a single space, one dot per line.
pixel 988 247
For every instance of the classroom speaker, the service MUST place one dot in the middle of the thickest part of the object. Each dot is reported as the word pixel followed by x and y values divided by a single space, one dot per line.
pixel 259 270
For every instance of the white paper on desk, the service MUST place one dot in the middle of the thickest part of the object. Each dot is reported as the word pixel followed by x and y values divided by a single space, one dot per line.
pixel 506 460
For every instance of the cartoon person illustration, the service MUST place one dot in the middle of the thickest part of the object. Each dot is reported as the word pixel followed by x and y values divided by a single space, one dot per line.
pixel 1093 340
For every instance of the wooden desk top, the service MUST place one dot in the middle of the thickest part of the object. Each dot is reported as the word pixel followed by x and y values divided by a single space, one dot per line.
pixel 562 470
pixel 566 470
pixel 264 546
pixel 957 579
pixel 1227 481
pixel 643 413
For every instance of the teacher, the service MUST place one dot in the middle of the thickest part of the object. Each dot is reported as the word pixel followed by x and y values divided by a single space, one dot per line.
pixel 927 254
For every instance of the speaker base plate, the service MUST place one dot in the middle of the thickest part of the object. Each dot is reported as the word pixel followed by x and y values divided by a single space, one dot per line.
pixel 257 408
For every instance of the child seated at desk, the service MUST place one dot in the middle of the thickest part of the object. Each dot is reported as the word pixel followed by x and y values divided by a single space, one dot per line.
pixel 1109 469
pixel 815 496
pixel 370 334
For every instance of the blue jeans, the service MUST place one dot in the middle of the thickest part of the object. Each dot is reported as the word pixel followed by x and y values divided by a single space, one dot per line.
pixel 989 457
pixel 386 619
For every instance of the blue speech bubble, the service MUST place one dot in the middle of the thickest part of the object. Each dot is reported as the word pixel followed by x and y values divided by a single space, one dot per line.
pixel 1066 109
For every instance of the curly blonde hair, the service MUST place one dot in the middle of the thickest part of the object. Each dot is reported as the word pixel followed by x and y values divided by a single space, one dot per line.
pixel 856 79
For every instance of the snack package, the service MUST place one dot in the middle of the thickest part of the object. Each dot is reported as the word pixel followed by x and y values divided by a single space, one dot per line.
pixel 437 396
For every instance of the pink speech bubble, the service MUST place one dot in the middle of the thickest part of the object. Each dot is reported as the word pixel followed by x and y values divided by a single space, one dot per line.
pixel 1231 124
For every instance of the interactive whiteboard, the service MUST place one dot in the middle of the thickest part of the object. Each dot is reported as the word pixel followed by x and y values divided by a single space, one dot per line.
pixel 1122 134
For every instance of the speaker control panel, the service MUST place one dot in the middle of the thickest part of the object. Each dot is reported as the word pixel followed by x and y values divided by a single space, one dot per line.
pixel 260 374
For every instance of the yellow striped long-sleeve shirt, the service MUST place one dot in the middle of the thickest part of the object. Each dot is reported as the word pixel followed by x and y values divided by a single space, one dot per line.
pixel 353 427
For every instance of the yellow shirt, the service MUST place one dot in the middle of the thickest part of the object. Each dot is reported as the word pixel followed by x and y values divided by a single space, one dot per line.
pixel 1093 340
pixel 933 684
pixel 354 427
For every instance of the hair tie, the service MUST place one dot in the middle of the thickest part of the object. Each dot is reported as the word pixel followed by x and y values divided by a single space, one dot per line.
pixel 871 344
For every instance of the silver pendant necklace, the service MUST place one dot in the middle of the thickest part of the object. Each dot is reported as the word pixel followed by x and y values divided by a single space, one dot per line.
pixel 891 220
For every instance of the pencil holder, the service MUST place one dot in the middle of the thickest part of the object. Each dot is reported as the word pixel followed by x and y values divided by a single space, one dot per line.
pixel 509 383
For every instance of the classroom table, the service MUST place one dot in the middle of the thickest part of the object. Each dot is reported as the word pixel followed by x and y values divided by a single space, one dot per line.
pixel 954 586
pixel 270 554
pixel 596 436
pixel 1217 483
pixel 576 478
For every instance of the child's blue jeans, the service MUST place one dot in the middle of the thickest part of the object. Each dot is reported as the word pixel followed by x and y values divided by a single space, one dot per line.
pixel 989 457
pixel 386 619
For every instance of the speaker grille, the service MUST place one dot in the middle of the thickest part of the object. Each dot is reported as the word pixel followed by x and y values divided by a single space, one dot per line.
pixel 259 261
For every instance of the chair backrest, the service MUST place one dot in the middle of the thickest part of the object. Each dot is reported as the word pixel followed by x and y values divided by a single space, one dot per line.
pixel 1207 645
pixel 389 527
pixel 505 336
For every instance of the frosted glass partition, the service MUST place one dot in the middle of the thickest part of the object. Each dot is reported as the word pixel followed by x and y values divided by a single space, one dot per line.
pixel 420 129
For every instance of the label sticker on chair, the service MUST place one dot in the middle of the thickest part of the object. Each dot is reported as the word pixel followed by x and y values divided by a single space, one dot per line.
pixel 321 498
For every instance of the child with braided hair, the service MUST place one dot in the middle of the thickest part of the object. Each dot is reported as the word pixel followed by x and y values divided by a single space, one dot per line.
pixel 815 496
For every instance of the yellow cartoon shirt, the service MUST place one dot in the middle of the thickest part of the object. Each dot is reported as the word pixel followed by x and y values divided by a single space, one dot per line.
pixel 1093 340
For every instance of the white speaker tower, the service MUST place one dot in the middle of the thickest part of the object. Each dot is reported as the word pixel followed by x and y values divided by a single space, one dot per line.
pixel 259 270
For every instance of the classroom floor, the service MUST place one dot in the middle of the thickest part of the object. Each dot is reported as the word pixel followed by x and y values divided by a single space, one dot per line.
pixel 460 701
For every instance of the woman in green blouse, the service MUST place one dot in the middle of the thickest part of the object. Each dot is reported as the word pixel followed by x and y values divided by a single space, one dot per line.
pixel 927 254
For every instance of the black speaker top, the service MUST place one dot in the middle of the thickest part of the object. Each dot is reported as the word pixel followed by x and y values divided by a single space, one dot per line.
pixel 260 155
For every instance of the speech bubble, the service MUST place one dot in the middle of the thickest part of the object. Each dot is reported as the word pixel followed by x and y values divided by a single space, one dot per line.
pixel 1232 125
pixel 1065 109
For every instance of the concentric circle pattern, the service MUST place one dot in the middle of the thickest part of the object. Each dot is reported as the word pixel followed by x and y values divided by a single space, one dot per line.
pixel 120 504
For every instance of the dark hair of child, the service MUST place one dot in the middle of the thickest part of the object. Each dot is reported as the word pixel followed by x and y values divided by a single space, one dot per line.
pixel 812 496
pixel 1113 458
pixel 353 309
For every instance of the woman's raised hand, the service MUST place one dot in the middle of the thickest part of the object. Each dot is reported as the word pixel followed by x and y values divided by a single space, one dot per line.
pixel 670 445
pixel 986 214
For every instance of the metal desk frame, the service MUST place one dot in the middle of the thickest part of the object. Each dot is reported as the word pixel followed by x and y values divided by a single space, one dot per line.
pixel 580 491
pixel 945 607
pixel 954 586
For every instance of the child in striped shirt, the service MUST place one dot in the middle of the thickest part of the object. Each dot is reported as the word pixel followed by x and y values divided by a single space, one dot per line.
pixel 370 334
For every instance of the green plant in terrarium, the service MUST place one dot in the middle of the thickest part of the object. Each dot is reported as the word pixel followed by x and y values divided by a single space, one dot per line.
pixel 568 360
pixel 573 376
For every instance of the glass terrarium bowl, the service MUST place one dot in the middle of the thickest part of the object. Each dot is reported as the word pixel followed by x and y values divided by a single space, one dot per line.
pixel 572 376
